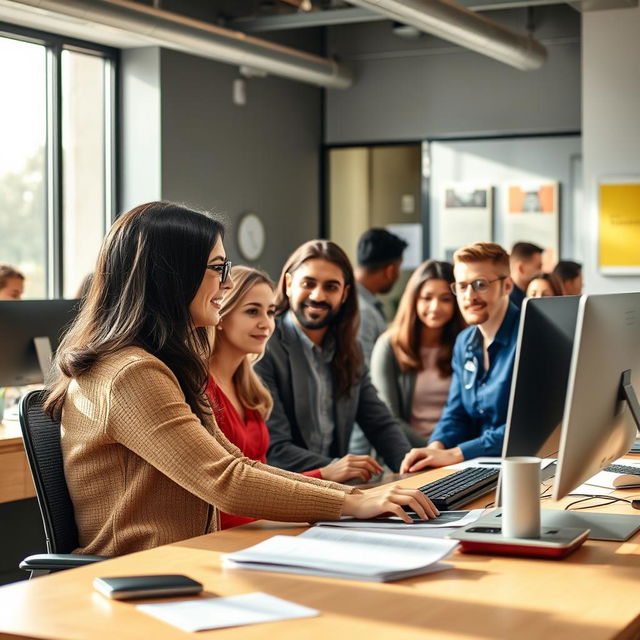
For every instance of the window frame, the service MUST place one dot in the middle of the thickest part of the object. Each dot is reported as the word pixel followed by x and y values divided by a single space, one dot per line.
pixel 54 45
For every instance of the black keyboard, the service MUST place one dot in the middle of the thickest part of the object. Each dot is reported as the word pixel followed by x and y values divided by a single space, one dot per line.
pixel 623 468
pixel 461 487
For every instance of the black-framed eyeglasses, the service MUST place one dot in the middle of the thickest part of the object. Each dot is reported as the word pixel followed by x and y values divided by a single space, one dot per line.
pixel 223 270
pixel 479 285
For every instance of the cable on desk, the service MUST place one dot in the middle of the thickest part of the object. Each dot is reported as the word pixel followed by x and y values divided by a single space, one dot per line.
pixel 606 501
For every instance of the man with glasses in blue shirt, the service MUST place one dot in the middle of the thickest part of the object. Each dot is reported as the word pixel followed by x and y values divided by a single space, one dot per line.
pixel 474 418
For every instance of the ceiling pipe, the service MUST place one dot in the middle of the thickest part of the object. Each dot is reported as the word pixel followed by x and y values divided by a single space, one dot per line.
pixel 447 20
pixel 196 37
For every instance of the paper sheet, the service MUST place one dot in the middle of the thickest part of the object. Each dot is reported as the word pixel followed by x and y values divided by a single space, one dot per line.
pixel 489 462
pixel 234 611
pixel 447 519
pixel 343 553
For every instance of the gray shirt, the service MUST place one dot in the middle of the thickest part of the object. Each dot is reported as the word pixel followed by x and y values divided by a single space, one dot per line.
pixel 372 321
pixel 320 384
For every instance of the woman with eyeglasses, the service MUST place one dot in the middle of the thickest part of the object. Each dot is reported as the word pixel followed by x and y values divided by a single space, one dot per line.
pixel 240 401
pixel 411 361
pixel 144 459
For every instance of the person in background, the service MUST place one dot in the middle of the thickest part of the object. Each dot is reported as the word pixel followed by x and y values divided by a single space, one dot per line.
pixel 570 274
pixel 241 403
pixel 544 285
pixel 11 282
pixel 525 261
pixel 473 420
pixel 379 257
pixel 144 459
pixel 411 362
pixel 314 369
pixel 379 260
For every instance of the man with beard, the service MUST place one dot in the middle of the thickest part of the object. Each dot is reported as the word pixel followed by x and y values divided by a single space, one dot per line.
pixel 314 369
pixel 474 418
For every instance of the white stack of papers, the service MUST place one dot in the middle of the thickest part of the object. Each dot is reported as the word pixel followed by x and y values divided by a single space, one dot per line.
pixel 234 611
pixel 344 553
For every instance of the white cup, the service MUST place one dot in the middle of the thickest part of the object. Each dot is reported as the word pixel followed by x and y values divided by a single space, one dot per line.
pixel 520 486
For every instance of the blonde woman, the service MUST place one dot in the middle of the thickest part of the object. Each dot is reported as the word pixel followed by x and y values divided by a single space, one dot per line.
pixel 241 403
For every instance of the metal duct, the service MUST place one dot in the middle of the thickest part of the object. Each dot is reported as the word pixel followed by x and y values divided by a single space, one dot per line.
pixel 447 20
pixel 201 38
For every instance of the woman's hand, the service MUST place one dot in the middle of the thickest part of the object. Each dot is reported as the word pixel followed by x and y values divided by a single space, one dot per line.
pixel 351 466
pixel 370 504
pixel 430 456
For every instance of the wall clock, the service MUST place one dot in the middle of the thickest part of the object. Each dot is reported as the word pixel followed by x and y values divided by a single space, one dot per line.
pixel 251 236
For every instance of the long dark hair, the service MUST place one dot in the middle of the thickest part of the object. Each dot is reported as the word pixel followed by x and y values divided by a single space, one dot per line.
pixel 148 271
pixel 347 361
pixel 406 326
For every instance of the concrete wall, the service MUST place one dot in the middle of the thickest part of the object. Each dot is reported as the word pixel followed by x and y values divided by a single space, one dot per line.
pixel 611 135
pixel 184 139
pixel 261 157
pixel 425 88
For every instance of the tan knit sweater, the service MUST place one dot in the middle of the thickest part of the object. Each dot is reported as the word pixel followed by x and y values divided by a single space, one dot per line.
pixel 142 470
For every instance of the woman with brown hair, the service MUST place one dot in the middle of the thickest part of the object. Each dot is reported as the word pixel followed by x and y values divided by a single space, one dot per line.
pixel 545 285
pixel 144 460
pixel 411 361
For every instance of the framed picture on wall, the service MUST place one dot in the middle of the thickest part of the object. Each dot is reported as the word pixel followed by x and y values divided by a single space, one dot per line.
pixel 466 216
pixel 532 215
pixel 619 226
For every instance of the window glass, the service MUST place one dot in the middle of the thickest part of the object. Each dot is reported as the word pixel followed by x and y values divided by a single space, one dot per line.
pixel 23 126
pixel 84 155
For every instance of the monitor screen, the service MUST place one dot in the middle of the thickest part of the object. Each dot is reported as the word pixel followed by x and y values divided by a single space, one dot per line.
pixel 541 372
pixel 21 322
pixel 598 424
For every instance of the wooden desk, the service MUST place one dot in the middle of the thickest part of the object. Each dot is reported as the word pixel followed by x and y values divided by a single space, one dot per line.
pixel 15 477
pixel 592 594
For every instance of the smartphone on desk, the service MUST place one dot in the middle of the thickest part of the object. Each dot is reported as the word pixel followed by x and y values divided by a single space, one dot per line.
pixel 554 542
pixel 152 586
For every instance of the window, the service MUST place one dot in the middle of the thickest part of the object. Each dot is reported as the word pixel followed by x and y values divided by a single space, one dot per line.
pixel 57 177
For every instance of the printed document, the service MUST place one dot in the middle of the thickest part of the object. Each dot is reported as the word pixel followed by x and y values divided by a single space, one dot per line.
pixel 344 553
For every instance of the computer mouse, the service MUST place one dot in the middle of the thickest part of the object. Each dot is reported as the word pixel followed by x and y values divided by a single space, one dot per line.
pixel 635 504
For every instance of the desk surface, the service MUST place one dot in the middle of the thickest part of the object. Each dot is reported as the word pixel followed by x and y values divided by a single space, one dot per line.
pixel 592 594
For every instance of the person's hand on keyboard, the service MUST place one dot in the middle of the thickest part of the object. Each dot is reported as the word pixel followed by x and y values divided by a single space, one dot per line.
pixel 392 500
pixel 431 456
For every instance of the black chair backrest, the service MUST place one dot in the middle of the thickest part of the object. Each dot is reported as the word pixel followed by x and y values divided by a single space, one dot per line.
pixel 41 437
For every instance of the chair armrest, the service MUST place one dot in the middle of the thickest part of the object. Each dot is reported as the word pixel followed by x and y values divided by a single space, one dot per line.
pixel 57 561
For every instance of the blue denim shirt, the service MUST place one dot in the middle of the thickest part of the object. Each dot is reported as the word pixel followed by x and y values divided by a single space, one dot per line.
pixel 475 415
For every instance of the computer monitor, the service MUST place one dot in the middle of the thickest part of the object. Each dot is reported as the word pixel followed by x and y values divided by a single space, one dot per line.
pixel 541 372
pixel 601 415
pixel 565 396
pixel 30 331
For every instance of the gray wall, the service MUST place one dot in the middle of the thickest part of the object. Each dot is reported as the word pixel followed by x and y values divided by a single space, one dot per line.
pixel 424 88
pixel 262 157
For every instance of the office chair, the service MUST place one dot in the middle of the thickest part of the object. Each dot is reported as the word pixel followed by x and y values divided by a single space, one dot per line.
pixel 41 437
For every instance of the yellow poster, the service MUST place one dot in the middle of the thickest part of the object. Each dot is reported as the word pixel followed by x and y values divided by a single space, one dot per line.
pixel 620 227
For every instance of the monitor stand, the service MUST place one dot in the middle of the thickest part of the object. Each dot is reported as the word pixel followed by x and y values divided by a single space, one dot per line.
pixel 603 526
pixel 44 353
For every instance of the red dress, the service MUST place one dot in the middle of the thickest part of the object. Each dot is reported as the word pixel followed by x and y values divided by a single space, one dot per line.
pixel 250 435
